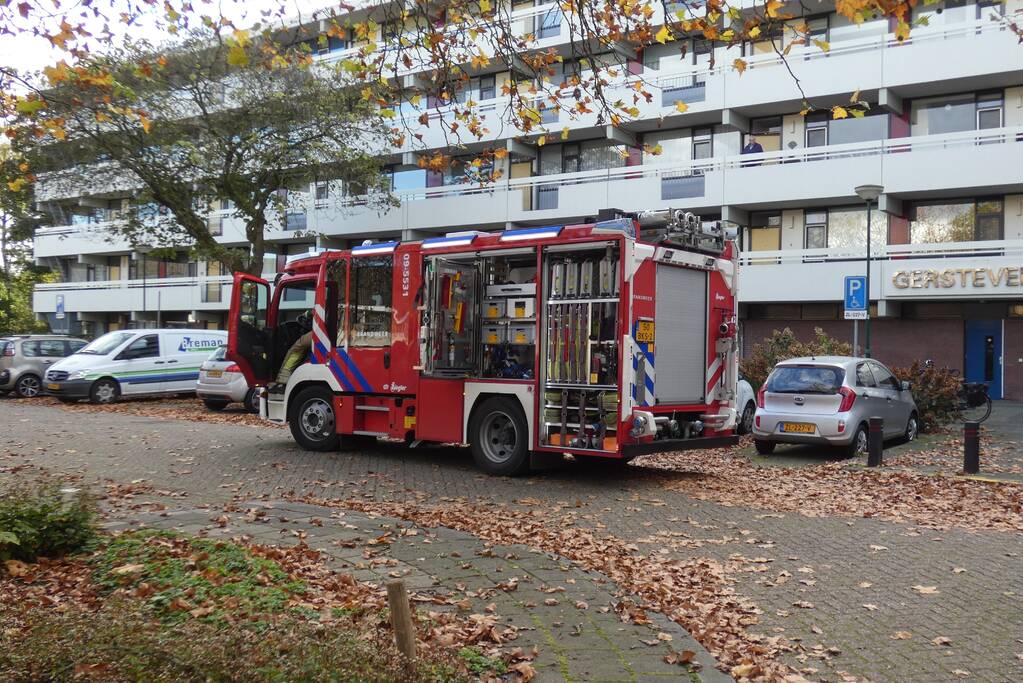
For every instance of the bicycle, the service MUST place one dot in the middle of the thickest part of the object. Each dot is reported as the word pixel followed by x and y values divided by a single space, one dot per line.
pixel 973 402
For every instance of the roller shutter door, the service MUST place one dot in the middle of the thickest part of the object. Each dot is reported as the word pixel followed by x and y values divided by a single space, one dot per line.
pixel 680 339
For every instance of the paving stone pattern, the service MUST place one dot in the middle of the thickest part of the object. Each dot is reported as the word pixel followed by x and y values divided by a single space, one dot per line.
pixel 980 609
pixel 576 642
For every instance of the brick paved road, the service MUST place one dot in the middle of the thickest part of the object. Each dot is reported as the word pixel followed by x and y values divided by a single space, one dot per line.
pixel 830 560
pixel 576 643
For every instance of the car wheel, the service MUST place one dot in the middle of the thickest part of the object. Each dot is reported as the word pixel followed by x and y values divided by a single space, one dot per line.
pixel 28 386
pixel 912 428
pixel 213 404
pixel 764 447
pixel 746 421
pixel 858 445
pixel 252 400
pixel 104 391
pixel 499 437
pixel 312 421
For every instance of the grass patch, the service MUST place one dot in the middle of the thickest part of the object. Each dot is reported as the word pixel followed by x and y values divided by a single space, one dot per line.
pixel 180 577
pixel 479 663
pixel 122 642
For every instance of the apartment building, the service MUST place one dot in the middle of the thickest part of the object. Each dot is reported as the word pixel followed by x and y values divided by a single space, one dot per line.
pixel 943 136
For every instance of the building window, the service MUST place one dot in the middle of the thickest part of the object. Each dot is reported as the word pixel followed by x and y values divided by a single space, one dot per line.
pixel 322 190
pixel 844 227
pixel 411 179
pixel 847 227
pixel 703 143
pixel 816 229
pixel 488 88
pixel 990 215
pixel 817 129
pixel 989 110
pixel 962 221
pixel 765 231
pixel 956 113
pixel 767 132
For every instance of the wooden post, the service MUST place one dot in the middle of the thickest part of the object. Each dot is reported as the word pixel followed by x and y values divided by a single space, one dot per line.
pixel 401 619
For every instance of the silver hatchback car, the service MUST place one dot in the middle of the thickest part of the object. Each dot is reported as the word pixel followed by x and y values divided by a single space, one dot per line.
pixel 828 400
pixel 24 360
pixel 221 382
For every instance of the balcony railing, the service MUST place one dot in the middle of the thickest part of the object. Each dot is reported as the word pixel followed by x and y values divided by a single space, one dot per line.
pixel 149 283
pixel 673 180
pixel 891 252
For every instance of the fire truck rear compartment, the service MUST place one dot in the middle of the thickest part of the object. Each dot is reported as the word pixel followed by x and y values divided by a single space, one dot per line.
pixel 580 347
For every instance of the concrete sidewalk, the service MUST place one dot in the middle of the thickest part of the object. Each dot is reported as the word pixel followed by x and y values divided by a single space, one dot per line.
pixel 567 613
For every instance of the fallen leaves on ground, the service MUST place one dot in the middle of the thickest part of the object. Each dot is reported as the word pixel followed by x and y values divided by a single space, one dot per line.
pixel 695 593
pixel 835 489
pixel 946 454
pixel 190 409
pixel 327 597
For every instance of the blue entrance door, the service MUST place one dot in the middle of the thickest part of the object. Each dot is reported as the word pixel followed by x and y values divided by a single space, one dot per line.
pixel 984 354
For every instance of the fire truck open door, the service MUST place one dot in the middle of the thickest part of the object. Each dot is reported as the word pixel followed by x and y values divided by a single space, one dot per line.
pixel 248 342
pixel 451 341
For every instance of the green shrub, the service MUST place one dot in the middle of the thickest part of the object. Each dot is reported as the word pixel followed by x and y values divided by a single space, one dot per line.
pixel 782 345
pixel 935 392
pixel 39 519
pixel 121 642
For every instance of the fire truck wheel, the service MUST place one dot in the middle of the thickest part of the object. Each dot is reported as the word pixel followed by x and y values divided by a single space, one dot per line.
pixel 499 437
pixel 312 420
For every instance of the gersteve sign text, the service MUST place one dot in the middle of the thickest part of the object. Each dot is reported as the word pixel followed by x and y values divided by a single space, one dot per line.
pixel 950 278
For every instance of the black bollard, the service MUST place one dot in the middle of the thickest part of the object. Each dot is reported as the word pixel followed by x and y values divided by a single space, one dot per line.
pixel 971 447
pixel 875 442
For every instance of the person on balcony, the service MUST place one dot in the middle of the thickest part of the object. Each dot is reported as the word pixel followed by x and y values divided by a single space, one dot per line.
pixel 752 147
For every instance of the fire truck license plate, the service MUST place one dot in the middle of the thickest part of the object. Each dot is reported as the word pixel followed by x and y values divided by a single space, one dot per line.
pixel 797 427
pixel 645 331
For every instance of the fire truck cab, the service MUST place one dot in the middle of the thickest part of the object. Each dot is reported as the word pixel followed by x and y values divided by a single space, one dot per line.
pixel 610 339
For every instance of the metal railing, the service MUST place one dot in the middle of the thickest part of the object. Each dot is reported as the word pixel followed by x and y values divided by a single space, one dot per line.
pixel 133 284
pixel 669 175
pixel 891 252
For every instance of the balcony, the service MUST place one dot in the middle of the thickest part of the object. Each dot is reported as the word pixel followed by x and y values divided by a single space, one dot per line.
pixel 955 270
pixel 935 165
pixel 168 294
pixel 916 167
pixel 104 238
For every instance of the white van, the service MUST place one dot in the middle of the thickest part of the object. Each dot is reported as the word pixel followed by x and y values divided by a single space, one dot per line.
pixel 133 363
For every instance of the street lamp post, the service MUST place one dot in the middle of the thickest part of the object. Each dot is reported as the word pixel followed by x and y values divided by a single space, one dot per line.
pixel 143 250
pixel 869 194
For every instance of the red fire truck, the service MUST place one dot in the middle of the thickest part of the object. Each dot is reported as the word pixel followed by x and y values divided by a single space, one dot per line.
pixel 609 339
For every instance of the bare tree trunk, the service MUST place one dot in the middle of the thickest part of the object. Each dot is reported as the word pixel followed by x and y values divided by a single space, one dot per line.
pixel 254 230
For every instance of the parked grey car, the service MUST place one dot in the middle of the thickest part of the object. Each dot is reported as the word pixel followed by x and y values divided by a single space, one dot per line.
pixel 828 400
pixel 24 360
pixel 221 382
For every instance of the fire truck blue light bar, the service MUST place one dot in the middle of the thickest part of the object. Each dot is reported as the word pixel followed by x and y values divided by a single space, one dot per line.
pixel 380 248
pixel 451 241
pixel 531 233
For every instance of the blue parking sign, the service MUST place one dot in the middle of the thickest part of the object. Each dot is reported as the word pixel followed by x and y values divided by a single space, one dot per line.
pixel 856 296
